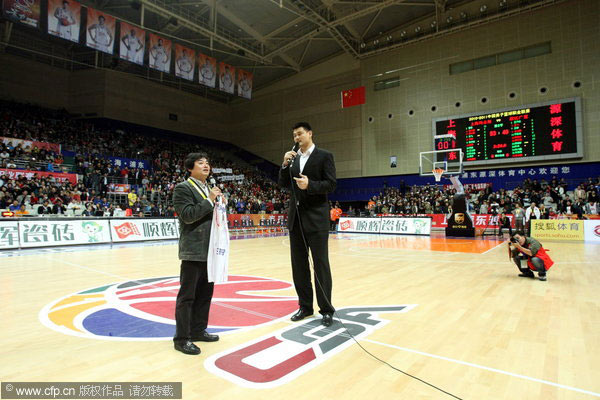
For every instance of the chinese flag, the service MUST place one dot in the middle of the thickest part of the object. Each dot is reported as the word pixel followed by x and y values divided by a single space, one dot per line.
pixel 353 97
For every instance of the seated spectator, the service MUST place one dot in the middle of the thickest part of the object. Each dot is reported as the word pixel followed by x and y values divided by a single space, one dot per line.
pixel 44 209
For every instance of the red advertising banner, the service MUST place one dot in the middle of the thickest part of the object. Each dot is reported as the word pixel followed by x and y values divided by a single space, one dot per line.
pixel 118 188
pixel 24 11
pixel 248 221
pixel 31 143
pixel 58 176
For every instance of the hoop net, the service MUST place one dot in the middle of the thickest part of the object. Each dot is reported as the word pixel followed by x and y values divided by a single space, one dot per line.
pixel 437 173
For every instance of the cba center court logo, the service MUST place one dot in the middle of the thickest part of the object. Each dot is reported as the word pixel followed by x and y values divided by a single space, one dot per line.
pixel 280 357
pixel 145 309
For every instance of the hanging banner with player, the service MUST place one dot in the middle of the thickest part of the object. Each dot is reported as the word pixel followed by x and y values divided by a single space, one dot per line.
pixel 64 19
pixel 244 84
pixel 100 32
pixel 207 70
pixel 24 11
pixel 185 62
pixel 159 53
pixel 226 78
pixel 133 40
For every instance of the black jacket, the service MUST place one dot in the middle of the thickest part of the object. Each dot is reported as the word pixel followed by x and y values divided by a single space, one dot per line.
pixel 312 202
pixel 195 220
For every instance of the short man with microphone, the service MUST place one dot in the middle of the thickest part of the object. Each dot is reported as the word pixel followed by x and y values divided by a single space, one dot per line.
pixel 313 173
pixel 194 201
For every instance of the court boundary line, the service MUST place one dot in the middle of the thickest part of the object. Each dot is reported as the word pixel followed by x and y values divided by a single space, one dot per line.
pixel 483 367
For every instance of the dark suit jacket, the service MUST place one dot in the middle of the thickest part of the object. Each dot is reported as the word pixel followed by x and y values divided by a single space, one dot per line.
pixel 312 202
pixel 195 220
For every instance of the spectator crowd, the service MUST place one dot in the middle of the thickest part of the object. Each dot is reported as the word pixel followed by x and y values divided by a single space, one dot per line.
pixel 151 189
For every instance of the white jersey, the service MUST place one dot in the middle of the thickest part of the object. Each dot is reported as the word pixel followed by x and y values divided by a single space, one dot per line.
pixel 63 31
pixel 218 248
pixel 161 60
pixel 132 51
pixel 186 69
pixel 102 35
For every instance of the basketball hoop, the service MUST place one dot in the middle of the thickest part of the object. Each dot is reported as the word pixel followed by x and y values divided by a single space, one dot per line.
pixel 438 172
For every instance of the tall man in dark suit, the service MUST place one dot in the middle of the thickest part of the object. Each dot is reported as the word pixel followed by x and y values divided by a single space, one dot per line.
pixel 313 173
pixel 194 201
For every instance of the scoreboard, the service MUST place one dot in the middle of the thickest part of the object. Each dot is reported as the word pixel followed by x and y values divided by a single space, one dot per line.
pixel 528 133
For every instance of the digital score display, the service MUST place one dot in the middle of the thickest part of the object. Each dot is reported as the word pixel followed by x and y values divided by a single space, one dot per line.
pixel 527 133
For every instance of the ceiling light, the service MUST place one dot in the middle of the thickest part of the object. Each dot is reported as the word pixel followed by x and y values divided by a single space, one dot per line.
pixel 417 29
pixel 483 8
pixel 433 24
pixel 449 19
pixel 403 34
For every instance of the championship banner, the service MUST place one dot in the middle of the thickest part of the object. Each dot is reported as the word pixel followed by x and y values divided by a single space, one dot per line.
pixel 207 70
pixel 590 227
pixel 240 221
pixel 24 11
pixel 359 225
pixel 557 229
pixel 64 19
pixel 9 234
pixel 61 232
pixel 127 230
pixel 133 41
pixel 58 176
pixel 55 147
pixel 159 53
pixel 407 226
pixel 226 78
pixel 185 62
pixel 100 31
pixel 244 84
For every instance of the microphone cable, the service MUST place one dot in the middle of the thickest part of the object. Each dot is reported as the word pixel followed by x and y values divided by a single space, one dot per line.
pixel 311 264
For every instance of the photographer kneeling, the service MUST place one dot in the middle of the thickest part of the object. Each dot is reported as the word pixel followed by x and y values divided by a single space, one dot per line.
pixel 538 260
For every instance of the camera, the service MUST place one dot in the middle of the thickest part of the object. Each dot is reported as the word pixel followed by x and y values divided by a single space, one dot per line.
pixel 513 240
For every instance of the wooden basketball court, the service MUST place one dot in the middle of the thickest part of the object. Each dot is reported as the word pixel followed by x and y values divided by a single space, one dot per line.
pixel 463 321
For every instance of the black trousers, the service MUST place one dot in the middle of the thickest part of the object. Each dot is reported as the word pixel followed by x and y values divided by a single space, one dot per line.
pixel 193 300
pixel 537 262
pixel 319 248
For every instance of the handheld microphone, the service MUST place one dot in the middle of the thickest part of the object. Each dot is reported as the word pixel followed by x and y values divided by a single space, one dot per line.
pixel 212 180
pixel 295 149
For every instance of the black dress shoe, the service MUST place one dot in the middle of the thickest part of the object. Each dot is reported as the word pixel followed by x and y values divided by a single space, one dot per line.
pixel 301 314
pixel 187 347
pixel 205 337
pixel 327 320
